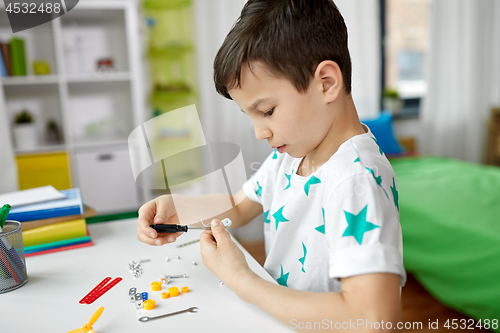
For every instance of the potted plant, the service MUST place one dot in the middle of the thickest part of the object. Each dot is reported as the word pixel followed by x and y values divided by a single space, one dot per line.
pixel 25 134
pixel 391 101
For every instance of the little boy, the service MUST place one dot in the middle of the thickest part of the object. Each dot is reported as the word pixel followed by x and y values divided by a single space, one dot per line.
pixel 328 193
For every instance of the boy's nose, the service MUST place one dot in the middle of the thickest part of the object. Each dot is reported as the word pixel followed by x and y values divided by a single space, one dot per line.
pixel 262 133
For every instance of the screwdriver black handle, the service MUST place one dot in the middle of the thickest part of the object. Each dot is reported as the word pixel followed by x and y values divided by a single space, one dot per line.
pixel 169 228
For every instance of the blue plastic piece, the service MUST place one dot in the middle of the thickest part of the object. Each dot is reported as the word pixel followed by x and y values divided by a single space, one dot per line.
pixel 144 296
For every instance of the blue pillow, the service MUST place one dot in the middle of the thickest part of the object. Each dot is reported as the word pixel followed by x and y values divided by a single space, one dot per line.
pixel 381 128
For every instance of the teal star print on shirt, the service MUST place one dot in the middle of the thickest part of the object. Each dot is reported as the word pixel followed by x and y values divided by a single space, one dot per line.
pixel 283 279
pixel 266 220
pixel 303 259
pixel 289 177
pixel 321 228
pixel 313 180
pixel 357 225
pixel 275 156
pixel 259 190
pixel 395 193
pixel 378 180
pixel 379 149
pixel 278 217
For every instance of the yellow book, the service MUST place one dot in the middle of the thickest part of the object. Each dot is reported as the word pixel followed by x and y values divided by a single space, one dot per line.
pixel 55 232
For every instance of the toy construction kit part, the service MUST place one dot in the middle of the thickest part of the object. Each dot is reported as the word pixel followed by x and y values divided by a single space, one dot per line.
pixel 173 291
pixel 144 296
pixel 131 295
pixel 165 295
pixel 156 286
pixel 99 290
pixel 88 326
pixel 149 304
pixel 185 290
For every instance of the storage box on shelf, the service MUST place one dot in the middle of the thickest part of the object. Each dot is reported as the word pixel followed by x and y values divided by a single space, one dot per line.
pixel 93 94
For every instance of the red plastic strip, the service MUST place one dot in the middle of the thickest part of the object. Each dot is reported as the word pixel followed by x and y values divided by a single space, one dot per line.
pixel 99 290
pixel 95 290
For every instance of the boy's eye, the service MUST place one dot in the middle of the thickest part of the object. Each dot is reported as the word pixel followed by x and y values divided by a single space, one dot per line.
pixel 268 113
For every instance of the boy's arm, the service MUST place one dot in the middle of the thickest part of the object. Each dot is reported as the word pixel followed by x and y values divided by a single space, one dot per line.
pixel 364 298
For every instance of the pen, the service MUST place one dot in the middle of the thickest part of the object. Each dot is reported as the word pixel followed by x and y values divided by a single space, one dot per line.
pixel 4 212
pixel 11 267
pixel 10 253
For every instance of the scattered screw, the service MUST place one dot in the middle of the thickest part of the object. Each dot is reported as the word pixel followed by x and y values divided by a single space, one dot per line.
pixel 167 259
pixel 135 267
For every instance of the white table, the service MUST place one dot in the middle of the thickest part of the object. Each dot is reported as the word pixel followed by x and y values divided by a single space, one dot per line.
pixel 49 302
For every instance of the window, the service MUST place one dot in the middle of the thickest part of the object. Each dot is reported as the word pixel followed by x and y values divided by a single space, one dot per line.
pixel 405 35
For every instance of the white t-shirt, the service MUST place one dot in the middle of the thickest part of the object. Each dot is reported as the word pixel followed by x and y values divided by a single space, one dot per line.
pixel 340 221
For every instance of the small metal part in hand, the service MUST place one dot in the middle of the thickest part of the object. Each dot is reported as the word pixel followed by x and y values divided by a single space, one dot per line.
pixel 193 309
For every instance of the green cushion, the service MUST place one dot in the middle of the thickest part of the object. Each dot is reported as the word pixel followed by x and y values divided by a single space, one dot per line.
pixel 450 217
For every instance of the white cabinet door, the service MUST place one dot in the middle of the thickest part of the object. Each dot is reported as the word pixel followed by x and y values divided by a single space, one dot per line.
pixel 106 181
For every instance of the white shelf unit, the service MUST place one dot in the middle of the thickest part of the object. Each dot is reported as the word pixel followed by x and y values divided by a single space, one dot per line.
pixel 95 110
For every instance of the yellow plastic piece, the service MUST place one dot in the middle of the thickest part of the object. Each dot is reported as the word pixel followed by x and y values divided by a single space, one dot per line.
pixel 35 170
pixel 185 290
pixel 165 295
pixel 173 291
pixel 149 304
pixel 155 286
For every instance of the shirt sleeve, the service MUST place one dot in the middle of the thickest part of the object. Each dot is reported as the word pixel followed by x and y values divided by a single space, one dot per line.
pixel 255 186
pixel 363 229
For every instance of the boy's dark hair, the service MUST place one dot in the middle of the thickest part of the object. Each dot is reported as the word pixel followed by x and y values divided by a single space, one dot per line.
pixel 290 37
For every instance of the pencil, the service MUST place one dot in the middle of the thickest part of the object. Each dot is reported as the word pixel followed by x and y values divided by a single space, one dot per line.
pixel 9 264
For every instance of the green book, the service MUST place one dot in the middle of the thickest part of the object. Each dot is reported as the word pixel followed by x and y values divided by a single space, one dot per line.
pixel 18 57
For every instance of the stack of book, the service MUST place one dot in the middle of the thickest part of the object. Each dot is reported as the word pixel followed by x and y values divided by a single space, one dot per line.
pixel 51 220
pixel 13 58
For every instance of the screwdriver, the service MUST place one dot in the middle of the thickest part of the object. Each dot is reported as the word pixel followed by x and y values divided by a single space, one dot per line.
pixel 173 228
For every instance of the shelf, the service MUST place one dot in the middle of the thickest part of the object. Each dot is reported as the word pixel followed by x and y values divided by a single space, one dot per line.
pixel 42 149
pixel 89 36
pixel 29 80
pixel 99 77
pixel 84 144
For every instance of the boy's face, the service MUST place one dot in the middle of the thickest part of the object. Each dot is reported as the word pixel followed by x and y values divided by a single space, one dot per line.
pixel 290 121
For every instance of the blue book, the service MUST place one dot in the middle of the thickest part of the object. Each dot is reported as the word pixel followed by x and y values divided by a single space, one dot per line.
pixel 71 205
pixel 3 70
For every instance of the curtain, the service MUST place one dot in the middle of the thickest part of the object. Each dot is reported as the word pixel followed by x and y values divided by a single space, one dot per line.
pixel 362 19
pixel 222 119
pixel 463 75
pixel 8 171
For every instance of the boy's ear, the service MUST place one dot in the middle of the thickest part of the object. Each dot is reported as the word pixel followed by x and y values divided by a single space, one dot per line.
pixel 329 75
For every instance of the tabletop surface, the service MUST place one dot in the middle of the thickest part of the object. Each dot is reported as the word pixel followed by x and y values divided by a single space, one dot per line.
pixel 49 302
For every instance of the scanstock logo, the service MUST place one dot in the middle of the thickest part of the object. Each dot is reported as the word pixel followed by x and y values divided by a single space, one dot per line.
pixel 26 14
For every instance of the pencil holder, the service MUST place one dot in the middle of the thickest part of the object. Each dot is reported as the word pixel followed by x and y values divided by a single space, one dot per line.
pixel 12 262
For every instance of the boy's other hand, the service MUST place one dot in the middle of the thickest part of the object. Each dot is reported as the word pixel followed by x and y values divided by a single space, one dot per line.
pixel 157 211
pixel 221 255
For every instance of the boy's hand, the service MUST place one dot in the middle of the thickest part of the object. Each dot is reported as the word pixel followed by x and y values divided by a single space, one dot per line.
pixel 221 255
pixel 157 211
